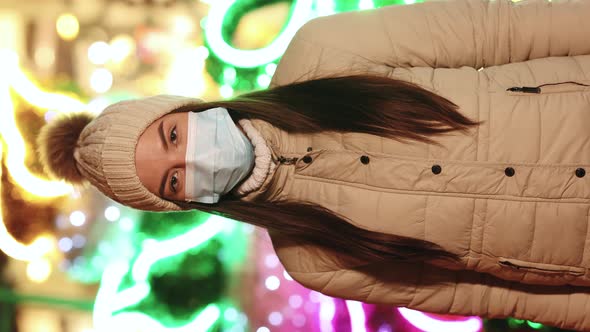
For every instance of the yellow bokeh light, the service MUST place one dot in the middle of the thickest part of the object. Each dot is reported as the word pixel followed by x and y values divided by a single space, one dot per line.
pixel 67 26
pixel 122 46
pixel 39 270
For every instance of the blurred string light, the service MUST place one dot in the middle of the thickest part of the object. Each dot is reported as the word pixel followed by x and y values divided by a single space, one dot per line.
pixel 15 149
pixel 15 249
pixel 252 58
pixel 158 250
pixel 357 316
pixel 67 26
pixel 327 312
pixel 111 299
pixel 430 324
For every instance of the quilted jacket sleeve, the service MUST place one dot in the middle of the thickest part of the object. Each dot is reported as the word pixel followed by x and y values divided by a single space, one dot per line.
pixel 429 288
pixel 438 34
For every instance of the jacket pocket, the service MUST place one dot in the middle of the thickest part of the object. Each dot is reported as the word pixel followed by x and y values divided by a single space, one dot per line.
pixel 541 267
pixel 548 88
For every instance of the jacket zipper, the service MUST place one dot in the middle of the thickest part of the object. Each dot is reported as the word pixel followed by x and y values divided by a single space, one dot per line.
pixel 531 266
pixel 537 89
pixel 510 264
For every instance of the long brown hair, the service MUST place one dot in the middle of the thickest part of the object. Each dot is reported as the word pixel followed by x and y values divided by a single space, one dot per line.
pixel 376 105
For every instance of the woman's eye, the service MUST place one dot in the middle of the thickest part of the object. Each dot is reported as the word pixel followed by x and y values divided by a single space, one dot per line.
pixel 173 135
pixel 174 182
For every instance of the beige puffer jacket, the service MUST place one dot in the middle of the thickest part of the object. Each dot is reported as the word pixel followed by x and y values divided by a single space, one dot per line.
pixel 512 197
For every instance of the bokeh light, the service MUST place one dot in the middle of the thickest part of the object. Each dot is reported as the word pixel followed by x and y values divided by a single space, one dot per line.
pixel 101 80
pixel 183 25
pixel 77 218
pixel 67 26
pixel 65 244
pixel 39 270
pixel 121 47
pixel 99 53
pixel 112 213
pixel 272 283
pixel 226 91
pixel 275 318
pixel 78 241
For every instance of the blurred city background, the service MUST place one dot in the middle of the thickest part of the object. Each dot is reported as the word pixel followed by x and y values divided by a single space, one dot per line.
pixel 72 260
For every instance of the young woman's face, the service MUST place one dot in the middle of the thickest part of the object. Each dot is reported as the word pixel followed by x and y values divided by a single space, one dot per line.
pixel 160 156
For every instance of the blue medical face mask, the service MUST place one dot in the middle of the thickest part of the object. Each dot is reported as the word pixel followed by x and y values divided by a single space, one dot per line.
pixel 218 155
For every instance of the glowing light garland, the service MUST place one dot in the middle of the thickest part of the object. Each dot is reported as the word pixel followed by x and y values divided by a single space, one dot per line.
pixel 15 154
pixel 429 324
pixel 109 299
pixel 327 312
pixel 13 77
pixel 155 251
pixel 15 249
pixel 252 58
pixel 357 316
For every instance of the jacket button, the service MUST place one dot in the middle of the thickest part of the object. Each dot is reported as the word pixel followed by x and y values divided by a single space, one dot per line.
pixel 580 172
pixel 509 171
pixel 436 169
pixel 307 159
pixel 309 149
pixel 365 159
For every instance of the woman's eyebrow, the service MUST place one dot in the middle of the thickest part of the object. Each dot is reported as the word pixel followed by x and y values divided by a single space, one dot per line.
pixel 162 136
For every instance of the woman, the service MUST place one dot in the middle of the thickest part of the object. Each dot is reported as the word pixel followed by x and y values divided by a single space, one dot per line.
pixel 387 165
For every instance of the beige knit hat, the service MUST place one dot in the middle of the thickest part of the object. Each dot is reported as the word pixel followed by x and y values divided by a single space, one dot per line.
pixel 79 146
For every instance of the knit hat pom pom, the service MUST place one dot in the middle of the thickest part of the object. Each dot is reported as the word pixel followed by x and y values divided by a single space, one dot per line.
pixel 56 144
